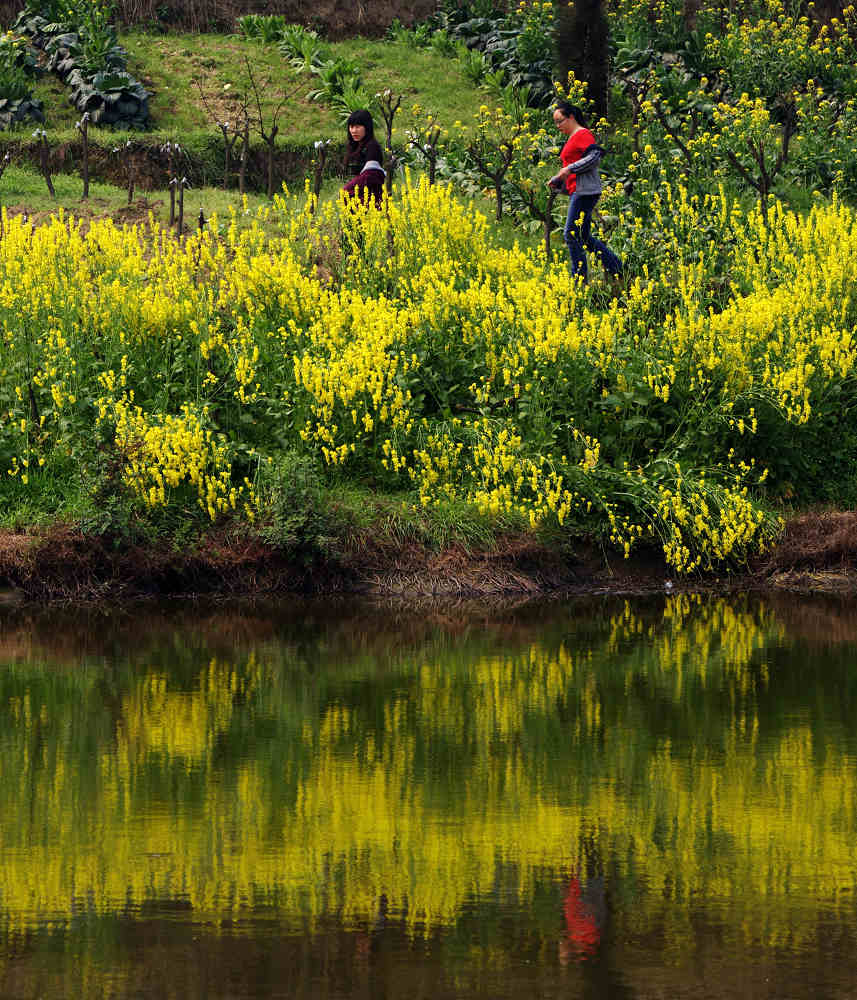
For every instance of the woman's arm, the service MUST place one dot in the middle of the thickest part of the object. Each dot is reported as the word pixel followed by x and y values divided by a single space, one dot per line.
pixel 591 157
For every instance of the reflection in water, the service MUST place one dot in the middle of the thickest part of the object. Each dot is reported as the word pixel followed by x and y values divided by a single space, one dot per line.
pixel 477 804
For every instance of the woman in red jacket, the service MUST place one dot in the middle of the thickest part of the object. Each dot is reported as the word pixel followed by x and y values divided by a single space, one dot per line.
pixel 363 158
pixel 579 175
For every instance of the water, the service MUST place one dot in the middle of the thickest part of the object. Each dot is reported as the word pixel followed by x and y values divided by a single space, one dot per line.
pixel 591 799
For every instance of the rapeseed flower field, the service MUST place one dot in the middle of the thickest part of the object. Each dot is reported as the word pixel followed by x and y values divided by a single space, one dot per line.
pixel 407 349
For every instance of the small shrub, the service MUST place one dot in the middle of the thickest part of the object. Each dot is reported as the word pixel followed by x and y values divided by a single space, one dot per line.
pixel 294 37
pixel 17 73
pixel 304 52
pixel 443 44
pixel 289 501
pixel 334 76
pixel 474 65
pixel 418 37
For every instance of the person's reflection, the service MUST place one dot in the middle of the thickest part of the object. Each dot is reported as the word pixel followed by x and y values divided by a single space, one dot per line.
pixel 585 915
pixel 368 942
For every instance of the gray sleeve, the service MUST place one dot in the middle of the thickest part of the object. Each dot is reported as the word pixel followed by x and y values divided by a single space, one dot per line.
pixel 586 162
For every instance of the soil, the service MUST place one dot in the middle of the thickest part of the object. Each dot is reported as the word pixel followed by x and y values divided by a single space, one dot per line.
pixel 817 554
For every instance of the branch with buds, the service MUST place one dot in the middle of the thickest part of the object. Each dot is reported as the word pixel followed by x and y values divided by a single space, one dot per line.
pixel 83 127
pixel 322 150
pixel 182 185
pixel 493 159
pixel 125 153
pixel 172 150
pixel 268 133
pixel 230 131
pixel 427 144
pixel 389 105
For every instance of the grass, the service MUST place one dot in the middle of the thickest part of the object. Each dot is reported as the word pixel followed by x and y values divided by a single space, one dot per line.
pixel 174 68
pixel 354 512
pixel 24 189
pixel 419 75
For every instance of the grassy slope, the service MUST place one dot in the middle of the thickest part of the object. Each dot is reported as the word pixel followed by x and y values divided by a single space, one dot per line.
pixel 172 66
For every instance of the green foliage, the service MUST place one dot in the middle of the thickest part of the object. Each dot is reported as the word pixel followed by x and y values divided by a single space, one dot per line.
pixel 418 37
pixel 442 43
pixel 353 97
pixel 17 79
pixel 17 69
pixel 50 10
pixel 88 56
pixel 516 45
pixel 778 52
pixel 84 52
pixel 111 97
pixel 334 75
pixel 825 152
pixel 291 515
pixel 268 28
pixel 303 48
pixel 474 63
pixel 19 110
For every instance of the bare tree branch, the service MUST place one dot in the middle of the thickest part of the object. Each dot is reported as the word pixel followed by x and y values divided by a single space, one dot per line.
pixel 267 134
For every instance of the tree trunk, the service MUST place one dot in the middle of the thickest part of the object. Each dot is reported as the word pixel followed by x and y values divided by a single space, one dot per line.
pixel 690 12
pixel 582 46
pixel 44 156
pixel 245 150
pixel 549 223
pixel 84 133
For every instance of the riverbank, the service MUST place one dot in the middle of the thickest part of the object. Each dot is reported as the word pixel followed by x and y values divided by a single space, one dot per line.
pixel 816 554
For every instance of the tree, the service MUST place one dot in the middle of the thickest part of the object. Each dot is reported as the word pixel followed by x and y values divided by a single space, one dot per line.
pixel 267 132
pixel 494 146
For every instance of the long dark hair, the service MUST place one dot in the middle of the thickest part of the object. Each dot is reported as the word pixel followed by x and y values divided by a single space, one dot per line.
pixel 359 117
pixel 572 111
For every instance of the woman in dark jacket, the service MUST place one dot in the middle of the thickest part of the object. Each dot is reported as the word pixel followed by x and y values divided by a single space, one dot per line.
pixel 363 158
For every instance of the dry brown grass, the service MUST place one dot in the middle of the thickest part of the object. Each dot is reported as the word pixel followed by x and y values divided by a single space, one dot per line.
pixel 339 18
pixel 817 554
pixel 817 541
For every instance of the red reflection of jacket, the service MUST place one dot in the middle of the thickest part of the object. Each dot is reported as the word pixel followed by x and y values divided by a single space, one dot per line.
pixel 581 926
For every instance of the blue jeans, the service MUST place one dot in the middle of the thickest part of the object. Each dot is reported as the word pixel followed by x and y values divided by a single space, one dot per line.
pixel 578 237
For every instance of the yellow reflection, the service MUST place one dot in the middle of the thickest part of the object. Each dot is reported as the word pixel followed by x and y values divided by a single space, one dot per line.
pixel 469 763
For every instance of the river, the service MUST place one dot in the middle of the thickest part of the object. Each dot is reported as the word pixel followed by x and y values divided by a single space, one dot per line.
pixel 592 798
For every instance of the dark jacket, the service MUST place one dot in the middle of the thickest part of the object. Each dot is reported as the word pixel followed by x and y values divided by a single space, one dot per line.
pixel 356 159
